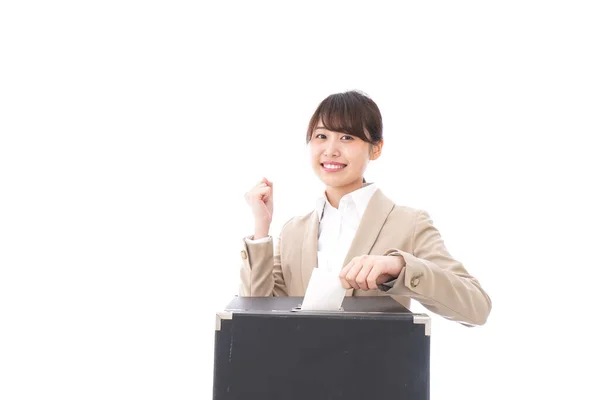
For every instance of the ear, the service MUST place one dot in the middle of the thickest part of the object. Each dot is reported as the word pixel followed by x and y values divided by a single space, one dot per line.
pixel 376 150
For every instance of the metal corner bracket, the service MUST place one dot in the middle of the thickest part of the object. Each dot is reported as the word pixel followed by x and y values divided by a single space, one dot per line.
pixel 423 319
pixel 221 315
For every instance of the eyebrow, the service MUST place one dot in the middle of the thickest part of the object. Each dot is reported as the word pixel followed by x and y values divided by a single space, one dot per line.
pixel 341 133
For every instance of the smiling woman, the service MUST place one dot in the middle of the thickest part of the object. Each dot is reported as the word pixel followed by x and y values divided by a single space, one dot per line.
pixel 343 135
pixel 377 246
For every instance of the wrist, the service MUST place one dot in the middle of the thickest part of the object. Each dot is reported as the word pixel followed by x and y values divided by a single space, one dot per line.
pixel 397 264
pixel 401 261
pixel 260 233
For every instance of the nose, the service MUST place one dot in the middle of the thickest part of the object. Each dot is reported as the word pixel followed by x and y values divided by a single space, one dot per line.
pixel 331 148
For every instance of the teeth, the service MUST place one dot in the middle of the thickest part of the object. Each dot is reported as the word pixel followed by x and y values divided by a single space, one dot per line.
pixel 331 166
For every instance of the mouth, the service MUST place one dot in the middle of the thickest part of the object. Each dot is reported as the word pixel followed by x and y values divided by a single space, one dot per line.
pixel 332 166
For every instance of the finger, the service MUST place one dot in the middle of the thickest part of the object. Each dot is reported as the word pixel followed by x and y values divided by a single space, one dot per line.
pixel 266 194
pixel 353 272
pixel 270 197
pixel 343 273
pixel 349 272
pixel 361 278
pixel 372 278
pixel 258 194
pixel 346 268
pixel 261 190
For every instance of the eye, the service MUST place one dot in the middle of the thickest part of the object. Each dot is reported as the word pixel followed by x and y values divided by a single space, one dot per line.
pixel 320 136
pixel 348 137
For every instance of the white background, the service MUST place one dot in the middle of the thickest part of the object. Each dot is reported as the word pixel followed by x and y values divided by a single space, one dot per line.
pixel 130 132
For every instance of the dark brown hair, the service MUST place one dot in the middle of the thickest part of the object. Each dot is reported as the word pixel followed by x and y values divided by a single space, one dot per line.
pixel 352 112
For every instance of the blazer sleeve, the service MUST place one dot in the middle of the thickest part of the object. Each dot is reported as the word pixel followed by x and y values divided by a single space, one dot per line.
pixel 438 281
pixel 261 273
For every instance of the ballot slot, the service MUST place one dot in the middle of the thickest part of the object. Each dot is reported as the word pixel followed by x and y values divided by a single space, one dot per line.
pixel 298 309
pixel 293 304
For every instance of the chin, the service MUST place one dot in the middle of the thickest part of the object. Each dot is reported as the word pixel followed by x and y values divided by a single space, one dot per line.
pixel 334 182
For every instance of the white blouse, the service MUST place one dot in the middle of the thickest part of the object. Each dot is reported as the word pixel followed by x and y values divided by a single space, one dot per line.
pixel 338 226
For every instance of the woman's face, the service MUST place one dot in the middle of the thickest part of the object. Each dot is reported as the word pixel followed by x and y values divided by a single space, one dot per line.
pixel 339 159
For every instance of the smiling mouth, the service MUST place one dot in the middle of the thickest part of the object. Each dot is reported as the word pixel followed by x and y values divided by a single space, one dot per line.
pixel 333 167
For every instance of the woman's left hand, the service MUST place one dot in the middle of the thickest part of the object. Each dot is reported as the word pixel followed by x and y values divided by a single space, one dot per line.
pixel 367 272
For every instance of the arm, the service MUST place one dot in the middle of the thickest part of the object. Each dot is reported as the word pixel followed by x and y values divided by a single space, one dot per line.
pixel 261 273
pixel 438 281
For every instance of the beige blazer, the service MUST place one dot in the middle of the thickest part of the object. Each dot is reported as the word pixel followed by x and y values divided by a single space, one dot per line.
pixel 431 276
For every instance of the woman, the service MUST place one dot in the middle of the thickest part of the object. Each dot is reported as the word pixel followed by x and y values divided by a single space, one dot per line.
pixel 379 248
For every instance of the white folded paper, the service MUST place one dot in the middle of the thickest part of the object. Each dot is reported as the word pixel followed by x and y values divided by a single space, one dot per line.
pixel 325 291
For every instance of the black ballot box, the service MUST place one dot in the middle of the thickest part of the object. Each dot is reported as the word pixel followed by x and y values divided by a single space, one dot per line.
pixel 266 348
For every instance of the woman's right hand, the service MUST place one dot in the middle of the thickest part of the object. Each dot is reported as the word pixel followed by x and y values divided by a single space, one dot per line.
pixel 260 199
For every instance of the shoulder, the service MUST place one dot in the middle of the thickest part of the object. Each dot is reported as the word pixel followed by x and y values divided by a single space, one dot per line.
pixel 381 199
pixel 401 210
pixel 404 213
pixel 405 217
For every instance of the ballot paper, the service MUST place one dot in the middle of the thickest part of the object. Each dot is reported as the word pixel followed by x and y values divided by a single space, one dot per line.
pixel 325 291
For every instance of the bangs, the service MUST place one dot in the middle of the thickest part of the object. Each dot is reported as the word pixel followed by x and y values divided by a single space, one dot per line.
pixel 339 116
pixel 348 113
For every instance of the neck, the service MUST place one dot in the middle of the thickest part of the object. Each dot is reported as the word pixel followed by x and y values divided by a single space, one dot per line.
pixel 335 194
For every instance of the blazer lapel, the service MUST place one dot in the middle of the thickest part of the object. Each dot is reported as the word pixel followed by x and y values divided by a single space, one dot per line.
pixel 372 221
pixel 309 249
